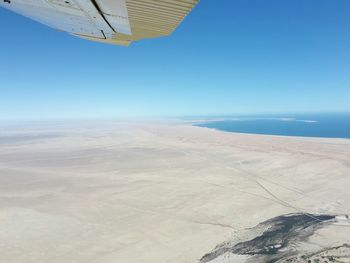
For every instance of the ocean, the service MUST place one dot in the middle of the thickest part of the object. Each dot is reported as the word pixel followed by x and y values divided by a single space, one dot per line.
pixel 305 125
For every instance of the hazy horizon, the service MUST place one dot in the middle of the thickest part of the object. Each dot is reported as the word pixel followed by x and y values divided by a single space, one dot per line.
pixel 173 117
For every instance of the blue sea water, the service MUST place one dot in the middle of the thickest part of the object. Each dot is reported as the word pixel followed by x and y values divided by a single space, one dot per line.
pixel 306 125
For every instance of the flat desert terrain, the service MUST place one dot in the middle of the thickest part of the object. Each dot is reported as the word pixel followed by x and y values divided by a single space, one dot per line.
pixel 122 192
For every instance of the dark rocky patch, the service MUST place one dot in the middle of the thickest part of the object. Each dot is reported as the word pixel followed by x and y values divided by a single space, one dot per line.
pixel 277 234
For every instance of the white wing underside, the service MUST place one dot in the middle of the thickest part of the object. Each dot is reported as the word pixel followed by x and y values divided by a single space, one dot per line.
pixel 111 21
pixel 98 19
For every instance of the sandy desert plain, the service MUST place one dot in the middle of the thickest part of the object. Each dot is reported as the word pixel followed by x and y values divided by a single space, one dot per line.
pixel 154 192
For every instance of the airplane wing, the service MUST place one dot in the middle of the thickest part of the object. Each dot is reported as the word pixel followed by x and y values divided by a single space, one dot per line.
pixel 111 21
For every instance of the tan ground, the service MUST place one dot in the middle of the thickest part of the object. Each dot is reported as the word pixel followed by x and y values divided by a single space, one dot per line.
pixel 131 193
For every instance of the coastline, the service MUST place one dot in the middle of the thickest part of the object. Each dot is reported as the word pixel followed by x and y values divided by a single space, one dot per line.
pixel 306 138
pixel 314 126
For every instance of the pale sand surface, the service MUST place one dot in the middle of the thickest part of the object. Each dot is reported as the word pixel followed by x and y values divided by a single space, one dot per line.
pixel 154 192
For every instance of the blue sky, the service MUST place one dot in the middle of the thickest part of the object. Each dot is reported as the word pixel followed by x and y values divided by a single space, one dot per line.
pixel 228 57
